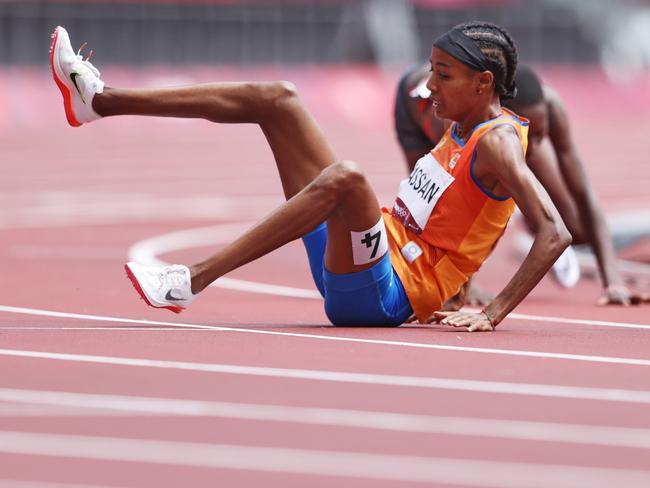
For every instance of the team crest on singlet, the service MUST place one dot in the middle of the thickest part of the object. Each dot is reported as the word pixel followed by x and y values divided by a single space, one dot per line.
pixel 420 192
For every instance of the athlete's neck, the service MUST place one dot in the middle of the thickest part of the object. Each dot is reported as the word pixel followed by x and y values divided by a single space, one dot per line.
pixel 466 126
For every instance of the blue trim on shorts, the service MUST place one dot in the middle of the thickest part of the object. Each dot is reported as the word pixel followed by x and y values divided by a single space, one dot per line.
pixel 373 297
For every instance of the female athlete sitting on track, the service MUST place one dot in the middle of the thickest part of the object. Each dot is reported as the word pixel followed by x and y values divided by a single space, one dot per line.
pixel 551 156
pixel 373 266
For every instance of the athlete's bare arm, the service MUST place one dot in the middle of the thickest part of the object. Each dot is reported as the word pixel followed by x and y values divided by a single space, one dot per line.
pixel 594 228
pixel 500 166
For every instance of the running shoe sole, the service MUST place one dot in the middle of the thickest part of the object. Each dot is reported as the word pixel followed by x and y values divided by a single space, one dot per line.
pixel 65 91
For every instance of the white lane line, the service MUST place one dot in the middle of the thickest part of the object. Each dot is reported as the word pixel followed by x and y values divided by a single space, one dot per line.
pixel 95 404
pixel 145 252
pixel 553 391
pixel 98 318
pixel 33 410
pixel 482 350
pixel 466 472
pixel 148 250
pixel 18 328
pixel 42 484
pixel 563 320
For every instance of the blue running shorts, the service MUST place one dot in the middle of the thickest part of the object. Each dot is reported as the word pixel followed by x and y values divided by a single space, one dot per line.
pixel 374 297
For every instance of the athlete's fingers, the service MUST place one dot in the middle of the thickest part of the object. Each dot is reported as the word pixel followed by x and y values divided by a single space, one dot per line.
pixel 460 321
pixel 454 318
pixel 439 316
pixel 480 327
pixel 412 318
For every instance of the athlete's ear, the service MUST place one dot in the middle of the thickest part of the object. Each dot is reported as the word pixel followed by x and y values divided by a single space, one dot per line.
pixel 484 82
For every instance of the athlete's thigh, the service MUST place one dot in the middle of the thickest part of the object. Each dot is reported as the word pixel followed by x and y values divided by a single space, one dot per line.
pixel 298 143
pixel 356 236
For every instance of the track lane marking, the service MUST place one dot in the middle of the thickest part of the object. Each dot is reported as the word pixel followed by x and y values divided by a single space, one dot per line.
pixel 480 386
pixel 99 404
pixel 147 251
pixel 18 328
pixel 466 472
pixel 45 484
pixel 482 350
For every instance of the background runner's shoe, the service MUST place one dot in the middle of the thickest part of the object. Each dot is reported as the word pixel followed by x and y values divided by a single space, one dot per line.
pixel 167 287
pixel 77 79
pixel 566 270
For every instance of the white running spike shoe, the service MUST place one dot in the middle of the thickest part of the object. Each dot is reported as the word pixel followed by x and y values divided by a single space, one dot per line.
pixel 566 270
pixel 167 287
pixel 77 79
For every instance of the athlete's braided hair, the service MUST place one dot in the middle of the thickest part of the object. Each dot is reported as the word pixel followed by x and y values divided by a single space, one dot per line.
pixel 495 42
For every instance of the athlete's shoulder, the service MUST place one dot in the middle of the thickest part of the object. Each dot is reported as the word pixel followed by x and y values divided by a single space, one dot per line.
pixel 558 118
pixel 500 145
pixel 553 101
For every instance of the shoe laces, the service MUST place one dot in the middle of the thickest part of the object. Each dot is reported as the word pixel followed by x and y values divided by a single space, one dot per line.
pixel 172 277
pixel 86 62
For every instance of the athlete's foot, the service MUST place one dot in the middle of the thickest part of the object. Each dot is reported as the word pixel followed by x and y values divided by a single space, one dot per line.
pixel 78 80
pixel 167 287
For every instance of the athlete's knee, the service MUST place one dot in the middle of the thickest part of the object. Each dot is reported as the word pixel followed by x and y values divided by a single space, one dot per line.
pixel 278 96
pixel 344 177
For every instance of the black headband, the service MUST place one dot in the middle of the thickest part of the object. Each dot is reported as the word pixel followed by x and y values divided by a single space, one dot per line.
pixel 464 49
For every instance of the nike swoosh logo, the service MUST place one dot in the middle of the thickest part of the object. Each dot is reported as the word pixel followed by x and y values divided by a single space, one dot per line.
pixel 73 77
pixel 172 298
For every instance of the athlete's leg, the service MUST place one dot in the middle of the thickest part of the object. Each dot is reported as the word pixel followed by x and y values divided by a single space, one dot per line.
pixel 340 194
pixel 358 284
pixel 298 144
pixel 545 166
pixel 300 149
pixel 317 189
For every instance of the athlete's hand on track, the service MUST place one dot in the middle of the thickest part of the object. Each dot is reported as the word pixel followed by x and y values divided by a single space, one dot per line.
pixel 474 322
pixel 621 295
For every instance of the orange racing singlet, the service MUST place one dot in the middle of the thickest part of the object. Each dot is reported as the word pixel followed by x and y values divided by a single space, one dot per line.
pixel 444 224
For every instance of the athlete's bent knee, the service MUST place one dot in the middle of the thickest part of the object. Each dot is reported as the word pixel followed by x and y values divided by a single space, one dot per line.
pixel 346 176
pixel 278 95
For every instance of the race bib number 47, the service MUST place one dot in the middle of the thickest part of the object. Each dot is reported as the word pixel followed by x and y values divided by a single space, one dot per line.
pixel 420 192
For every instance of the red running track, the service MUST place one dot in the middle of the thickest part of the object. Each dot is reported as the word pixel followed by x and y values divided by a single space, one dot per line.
pixel 252 389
